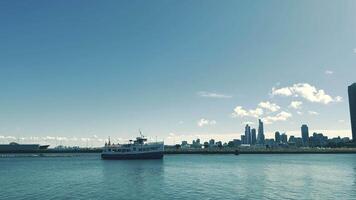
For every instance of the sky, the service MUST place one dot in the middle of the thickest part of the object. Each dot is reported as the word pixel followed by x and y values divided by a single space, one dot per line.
pixel 77 72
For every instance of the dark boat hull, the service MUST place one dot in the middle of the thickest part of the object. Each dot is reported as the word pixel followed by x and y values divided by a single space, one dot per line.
pixel 139 156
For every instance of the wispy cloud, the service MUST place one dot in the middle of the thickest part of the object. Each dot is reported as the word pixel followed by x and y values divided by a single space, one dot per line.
pixel 328 72
pixel 239 111
pixel 282 116
pixel 205 122
pixel 269 106
pixel 213 95
pixel 313 112
pixel 248 122
pixel 307 92
pixel 296 104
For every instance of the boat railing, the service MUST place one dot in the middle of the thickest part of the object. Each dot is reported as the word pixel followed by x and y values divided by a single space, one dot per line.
pixel 129 145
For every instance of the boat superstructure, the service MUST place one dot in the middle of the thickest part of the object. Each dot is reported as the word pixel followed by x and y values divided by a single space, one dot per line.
pixel 135 149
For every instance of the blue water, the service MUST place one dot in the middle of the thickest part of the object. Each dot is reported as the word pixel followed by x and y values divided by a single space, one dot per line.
pixel 86 176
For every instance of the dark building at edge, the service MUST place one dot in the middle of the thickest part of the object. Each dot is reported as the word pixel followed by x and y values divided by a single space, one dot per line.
pixel 352 102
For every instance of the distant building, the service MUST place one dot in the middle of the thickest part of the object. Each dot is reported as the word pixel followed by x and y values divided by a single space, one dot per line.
pixel 185 145
pixel 284 138
pixel 318 140
pixel 219 144
pixel 237 142
pixel 234 143
pixel 270 143
pixel 253 136
pixel 206 145
pixel 305 134
pixel 243 139
pixel 196 144
pixel 248 134
pixel 277 137
pixel 352 103
pixel 211 143
pixel 261 134
pixel 291 139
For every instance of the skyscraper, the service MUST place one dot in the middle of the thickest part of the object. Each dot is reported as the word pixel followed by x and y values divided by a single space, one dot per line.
pixel 261 135
pixel 248 134
pixel 352 102
pixel 253 136
pixel 277 137
pixel 305 134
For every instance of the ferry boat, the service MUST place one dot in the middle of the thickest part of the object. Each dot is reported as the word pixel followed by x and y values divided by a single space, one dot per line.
pixel 14 147
pixel 136 149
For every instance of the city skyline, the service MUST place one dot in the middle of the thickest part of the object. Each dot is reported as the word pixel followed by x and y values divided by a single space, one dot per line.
pixel 178 74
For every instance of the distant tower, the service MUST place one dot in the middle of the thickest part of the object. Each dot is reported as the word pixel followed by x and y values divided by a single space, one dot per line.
pixel 284 138
pixel 253 136
pixel 277 137
pixel 261 135
pixel 248 134
pixel 305 134
pixel 352 102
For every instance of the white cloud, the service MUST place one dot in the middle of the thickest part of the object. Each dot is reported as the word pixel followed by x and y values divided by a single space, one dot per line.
pixel 204 122
pixel 299 113
pixel 341 121
pixel 282 91
pixel 296 104
pixel 269 106
pixel 241 112
pixel 338 99
pixel 313 113
pixel 248 122
pixel 282 116
pixel 213 95
pixel 306 91
pixel 354 50
pixel 328 72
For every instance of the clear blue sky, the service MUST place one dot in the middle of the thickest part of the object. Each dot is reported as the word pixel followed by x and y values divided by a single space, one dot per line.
pixel 84 68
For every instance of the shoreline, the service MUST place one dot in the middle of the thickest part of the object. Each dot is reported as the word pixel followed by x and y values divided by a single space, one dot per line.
pixel 206 151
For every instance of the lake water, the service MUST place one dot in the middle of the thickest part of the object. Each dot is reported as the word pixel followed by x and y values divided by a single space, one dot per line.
pixel 86 176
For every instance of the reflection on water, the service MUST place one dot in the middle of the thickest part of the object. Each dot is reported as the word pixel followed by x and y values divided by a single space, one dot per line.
pixel 121 176
pixel 180 177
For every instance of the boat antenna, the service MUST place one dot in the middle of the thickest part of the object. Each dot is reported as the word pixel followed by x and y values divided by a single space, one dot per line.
pixel 140 132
